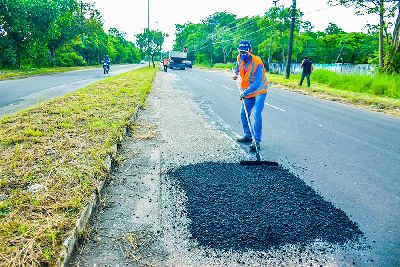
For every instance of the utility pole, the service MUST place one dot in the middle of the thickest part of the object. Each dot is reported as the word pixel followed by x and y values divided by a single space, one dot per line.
pixel 82 36
pixel 148 29
pixel 212 46
pixel 212 24
pixel 289 56
pixel 275 1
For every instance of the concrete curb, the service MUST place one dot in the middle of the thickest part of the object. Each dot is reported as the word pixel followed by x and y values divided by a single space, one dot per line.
pixel 81 225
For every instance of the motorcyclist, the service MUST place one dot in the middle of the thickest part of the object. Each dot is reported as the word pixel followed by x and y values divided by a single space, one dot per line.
pixel 106 61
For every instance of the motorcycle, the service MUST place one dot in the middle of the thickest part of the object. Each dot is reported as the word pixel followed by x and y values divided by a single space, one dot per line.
pixel 106 67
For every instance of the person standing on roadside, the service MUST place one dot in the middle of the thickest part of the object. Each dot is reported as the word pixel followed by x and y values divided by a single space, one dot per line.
pixel 307 69
pixel 165 64
pixel 254 87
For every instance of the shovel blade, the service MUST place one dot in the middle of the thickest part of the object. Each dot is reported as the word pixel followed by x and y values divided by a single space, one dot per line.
pixel 259 162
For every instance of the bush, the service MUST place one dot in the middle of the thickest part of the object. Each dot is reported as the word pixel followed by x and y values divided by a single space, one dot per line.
pixel 68 57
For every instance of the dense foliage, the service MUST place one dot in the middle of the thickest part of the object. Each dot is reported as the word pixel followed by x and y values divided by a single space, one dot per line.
pixel 42 33
pixel 150 42
pixel 215 39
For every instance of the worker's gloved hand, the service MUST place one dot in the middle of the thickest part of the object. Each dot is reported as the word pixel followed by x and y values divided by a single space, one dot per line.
pixel 241 95
pixel 234 76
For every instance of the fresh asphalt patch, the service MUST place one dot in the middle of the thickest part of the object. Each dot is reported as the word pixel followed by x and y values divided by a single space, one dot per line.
pixel 240 208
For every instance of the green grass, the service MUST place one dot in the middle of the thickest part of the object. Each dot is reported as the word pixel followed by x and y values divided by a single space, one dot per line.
pixel 61 144
pixel 216 66
pixel 378 85
pixel 379 93
pixel 22 73
pixel 224 66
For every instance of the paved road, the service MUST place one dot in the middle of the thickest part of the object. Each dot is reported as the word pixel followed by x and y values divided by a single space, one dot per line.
pixel 350 156
pixel 22 93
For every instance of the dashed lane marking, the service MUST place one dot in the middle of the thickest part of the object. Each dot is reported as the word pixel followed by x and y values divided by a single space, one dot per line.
pixel 272 106
pixel 226 87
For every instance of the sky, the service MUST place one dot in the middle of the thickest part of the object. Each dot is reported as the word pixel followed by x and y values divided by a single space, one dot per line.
pixel 131 16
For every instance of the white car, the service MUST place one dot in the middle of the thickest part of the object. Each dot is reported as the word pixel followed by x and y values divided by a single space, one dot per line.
pixel 142 62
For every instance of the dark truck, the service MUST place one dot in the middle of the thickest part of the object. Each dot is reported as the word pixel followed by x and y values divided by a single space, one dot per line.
pixel 176 59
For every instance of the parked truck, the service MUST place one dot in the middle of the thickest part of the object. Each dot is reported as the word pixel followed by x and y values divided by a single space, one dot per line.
pixel 176 59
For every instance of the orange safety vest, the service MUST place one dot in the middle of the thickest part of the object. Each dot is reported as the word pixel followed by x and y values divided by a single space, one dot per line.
pixel 248 77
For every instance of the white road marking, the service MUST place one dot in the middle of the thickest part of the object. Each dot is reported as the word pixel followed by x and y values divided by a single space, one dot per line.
pixel 226 87
pixel 272 106
pixel 208 80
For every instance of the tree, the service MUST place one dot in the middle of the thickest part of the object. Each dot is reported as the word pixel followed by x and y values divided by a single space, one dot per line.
pixel 392 59
pixel 38 33
pixel 192 36
pixel 26 24
pixel 333 29
pixel 218 26
pixel 372 7
pixel 64 28
pixel 276 32
pixel 269 36
pixel 150 42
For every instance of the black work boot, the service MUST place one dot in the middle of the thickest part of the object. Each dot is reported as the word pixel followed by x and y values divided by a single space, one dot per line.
pixel 253 146
pixel 244 139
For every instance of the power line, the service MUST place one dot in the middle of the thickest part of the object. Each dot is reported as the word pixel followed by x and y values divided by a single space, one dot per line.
pixel 225 41
pixel 232 29
pixel 226 31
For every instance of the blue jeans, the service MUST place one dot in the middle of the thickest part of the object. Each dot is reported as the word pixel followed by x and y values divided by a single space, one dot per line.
pixel 258 104
pixel 305 75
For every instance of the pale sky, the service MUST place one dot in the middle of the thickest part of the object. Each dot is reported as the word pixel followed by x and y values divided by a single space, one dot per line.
pixel 130 16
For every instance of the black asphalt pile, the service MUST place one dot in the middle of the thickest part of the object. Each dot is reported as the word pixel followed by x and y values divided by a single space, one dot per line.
pixel 235 207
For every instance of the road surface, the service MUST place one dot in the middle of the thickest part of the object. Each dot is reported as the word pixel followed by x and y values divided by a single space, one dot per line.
pixel 22 93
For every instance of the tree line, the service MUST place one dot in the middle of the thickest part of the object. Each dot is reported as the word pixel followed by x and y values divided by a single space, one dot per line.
pixel 214 40
pixel 43 33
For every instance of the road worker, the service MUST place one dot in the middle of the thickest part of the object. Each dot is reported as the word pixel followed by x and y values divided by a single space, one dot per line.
pixel 254 86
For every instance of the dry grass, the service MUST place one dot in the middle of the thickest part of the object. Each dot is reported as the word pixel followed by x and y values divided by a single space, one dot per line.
pixel 144 131
pixel 139 243
pixel 61 144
